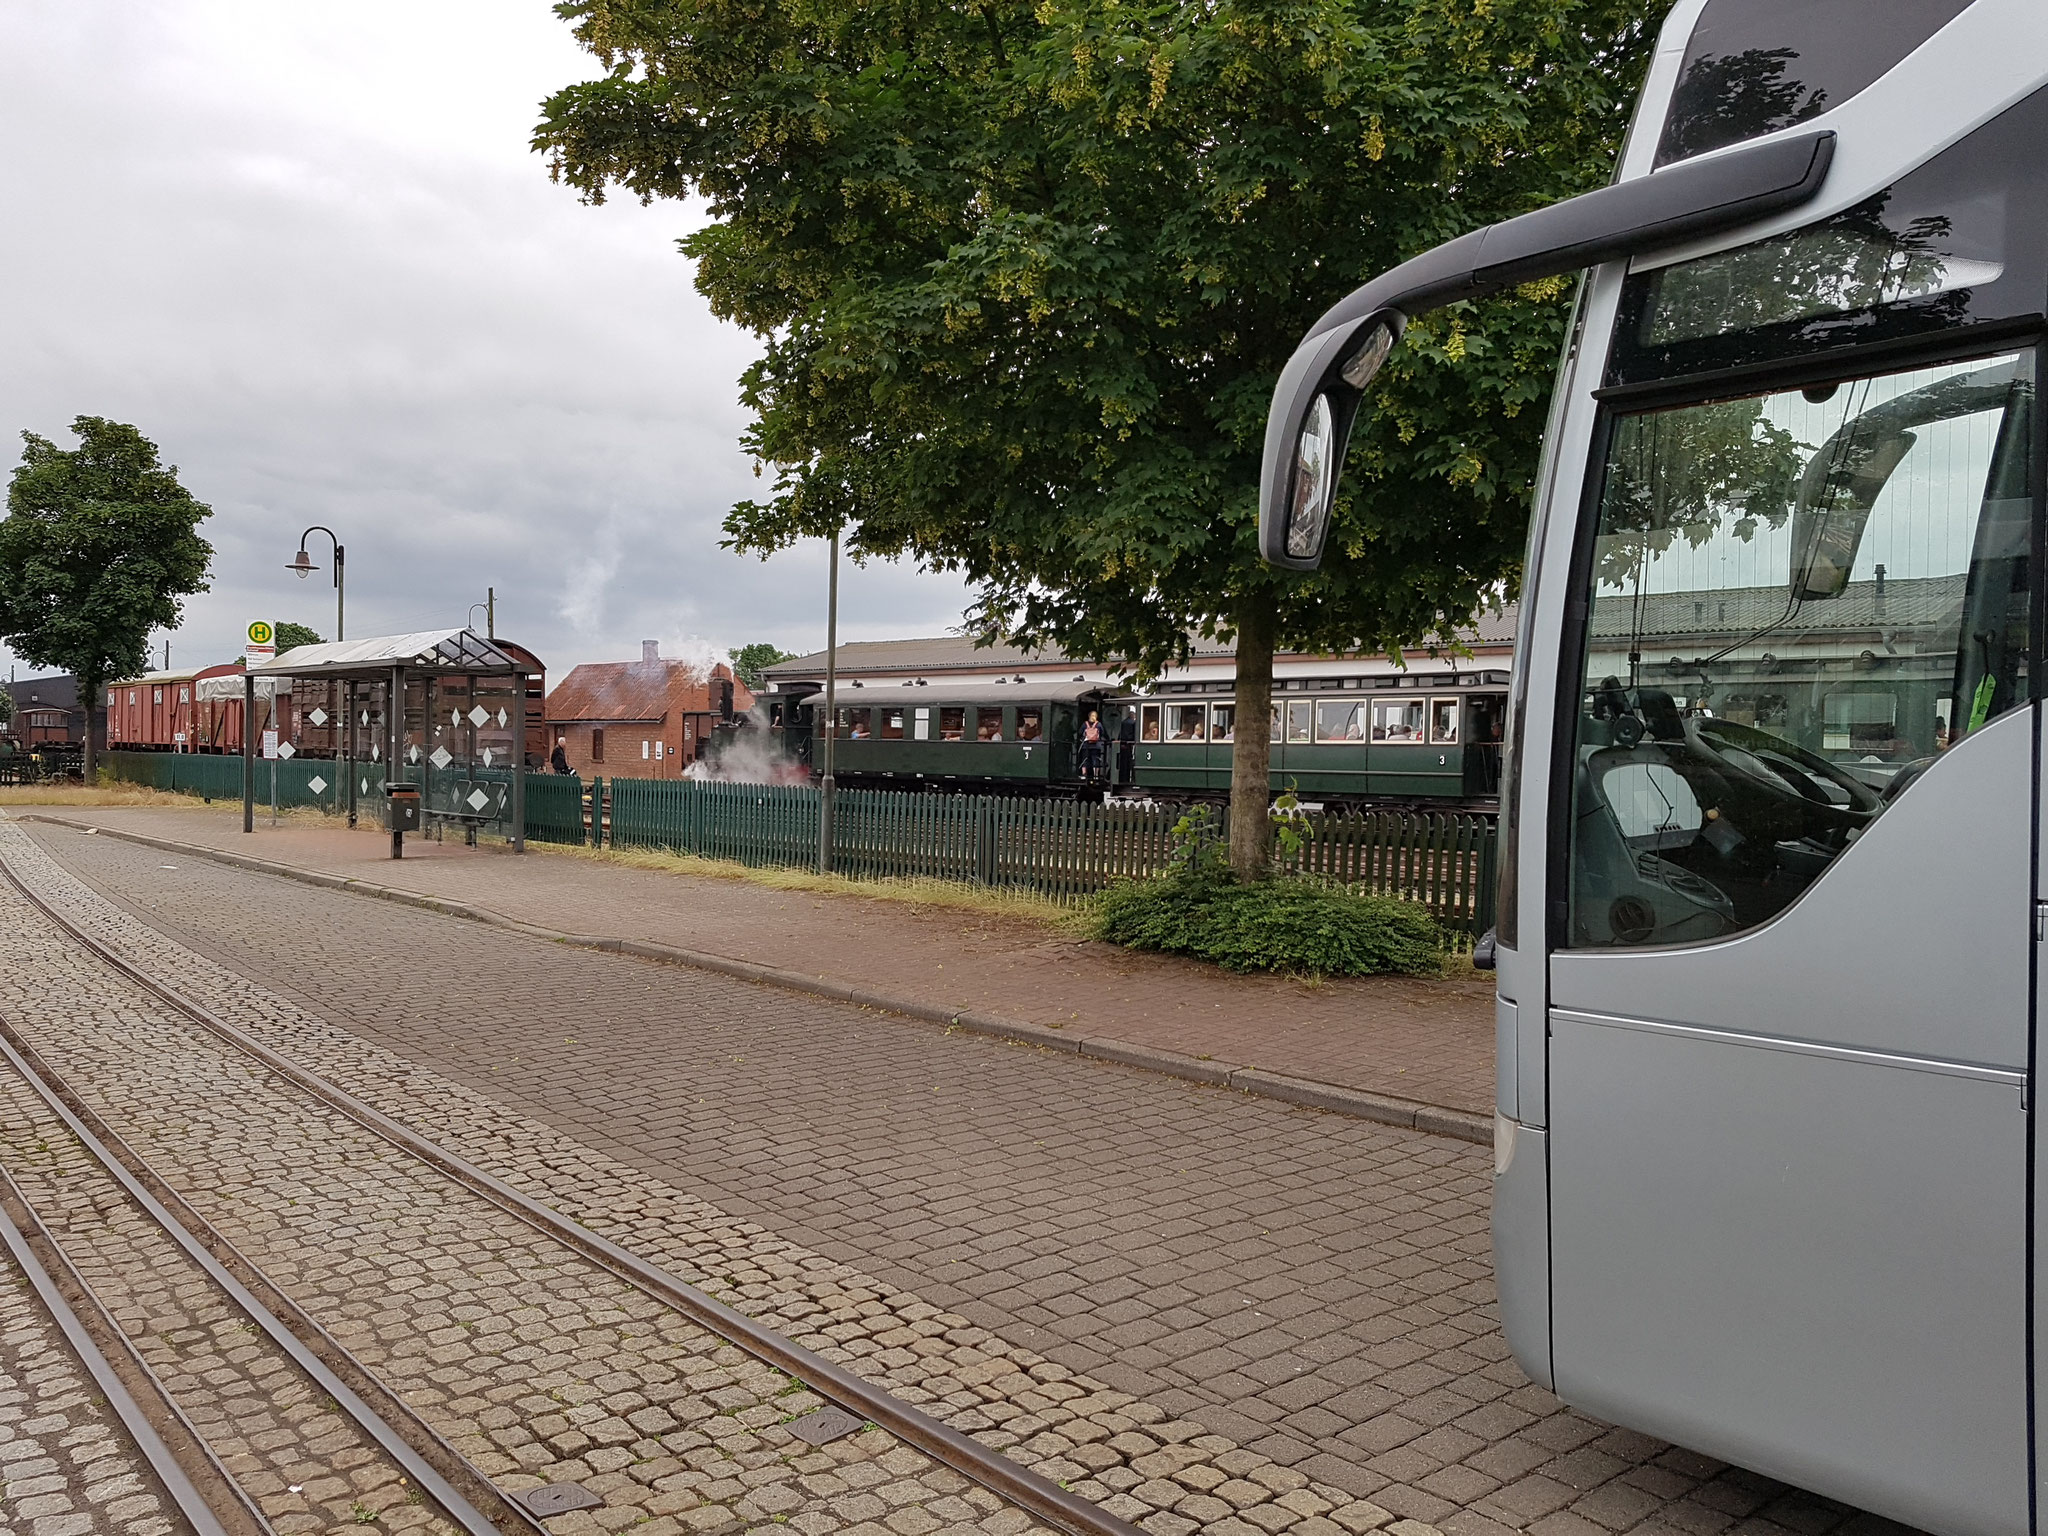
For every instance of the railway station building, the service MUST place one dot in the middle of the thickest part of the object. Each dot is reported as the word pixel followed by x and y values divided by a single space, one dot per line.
pixel 646 719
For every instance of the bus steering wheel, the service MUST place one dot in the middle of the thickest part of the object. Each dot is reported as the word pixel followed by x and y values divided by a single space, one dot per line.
pixel 1779 768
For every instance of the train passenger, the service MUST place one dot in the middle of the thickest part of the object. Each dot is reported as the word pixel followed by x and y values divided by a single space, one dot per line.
pixel 1093 740
pixel 1028 726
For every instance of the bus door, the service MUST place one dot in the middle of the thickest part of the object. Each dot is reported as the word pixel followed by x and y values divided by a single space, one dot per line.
pixel 1790 983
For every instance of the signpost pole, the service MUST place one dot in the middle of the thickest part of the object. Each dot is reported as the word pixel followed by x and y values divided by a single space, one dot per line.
pixel 248 751
pixel 826 786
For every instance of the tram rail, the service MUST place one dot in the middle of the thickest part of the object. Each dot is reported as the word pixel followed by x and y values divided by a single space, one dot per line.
pixel 453 1476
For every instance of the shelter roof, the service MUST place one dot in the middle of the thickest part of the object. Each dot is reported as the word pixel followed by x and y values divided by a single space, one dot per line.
pixel 435 650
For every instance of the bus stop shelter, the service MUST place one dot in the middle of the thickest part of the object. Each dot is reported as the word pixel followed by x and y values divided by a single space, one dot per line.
pixel 444 710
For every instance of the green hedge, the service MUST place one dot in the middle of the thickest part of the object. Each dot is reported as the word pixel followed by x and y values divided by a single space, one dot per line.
pixel 1286 924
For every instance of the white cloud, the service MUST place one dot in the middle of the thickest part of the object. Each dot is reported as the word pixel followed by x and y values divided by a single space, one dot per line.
pixel 308 251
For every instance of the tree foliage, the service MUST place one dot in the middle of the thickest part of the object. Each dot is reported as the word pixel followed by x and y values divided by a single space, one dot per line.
pixel 1026 275
pixel 99 546
pixel 750 661
pixel 290 635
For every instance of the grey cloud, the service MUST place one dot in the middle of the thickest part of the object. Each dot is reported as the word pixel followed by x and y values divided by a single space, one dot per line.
pixel 308 252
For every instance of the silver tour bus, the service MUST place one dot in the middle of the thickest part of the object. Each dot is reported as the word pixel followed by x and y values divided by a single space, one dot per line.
pixel 1772 900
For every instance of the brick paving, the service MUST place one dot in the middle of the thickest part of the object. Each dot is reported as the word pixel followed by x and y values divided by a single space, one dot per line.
pixel 1311 1288
pixel 540 1367
pixel 66 1466
pixel 1430 1041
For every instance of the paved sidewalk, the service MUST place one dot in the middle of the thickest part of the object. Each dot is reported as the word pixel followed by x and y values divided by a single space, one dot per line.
pixel 1426 1041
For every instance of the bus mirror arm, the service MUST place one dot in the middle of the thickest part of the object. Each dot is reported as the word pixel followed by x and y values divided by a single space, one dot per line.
pixel 1324 382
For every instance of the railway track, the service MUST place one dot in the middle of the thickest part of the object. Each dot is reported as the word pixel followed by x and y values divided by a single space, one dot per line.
pixel 106 1274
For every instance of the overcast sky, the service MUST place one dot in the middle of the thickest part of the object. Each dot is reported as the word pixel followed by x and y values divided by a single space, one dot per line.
pixel 307 251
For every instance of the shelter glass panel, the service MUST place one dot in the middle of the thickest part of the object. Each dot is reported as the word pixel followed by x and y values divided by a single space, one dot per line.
pixel 1799 600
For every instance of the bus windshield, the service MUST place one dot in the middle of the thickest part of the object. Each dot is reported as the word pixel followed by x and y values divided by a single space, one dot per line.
pixel 1797 600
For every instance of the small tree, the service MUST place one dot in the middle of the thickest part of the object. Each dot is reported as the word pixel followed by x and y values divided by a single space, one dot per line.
pixel 750 661
pixel 99 545
pixel 290 635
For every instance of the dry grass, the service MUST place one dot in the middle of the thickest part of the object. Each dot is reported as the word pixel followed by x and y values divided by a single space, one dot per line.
pixel 920 892
pixel 98 794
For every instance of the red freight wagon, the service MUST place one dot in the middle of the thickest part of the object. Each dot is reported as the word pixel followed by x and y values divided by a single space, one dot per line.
pixel 151 713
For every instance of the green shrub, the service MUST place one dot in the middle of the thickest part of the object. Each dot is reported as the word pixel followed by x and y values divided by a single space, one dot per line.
pixel 1284 924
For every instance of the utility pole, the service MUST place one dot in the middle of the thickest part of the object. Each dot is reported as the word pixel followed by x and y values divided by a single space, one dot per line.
pixel 490 613
pixel 831 728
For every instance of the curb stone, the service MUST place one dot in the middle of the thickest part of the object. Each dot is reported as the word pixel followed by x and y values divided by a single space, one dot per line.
pixel 1384 1109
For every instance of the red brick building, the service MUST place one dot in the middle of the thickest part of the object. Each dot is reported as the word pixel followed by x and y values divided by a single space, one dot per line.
pixel 645 719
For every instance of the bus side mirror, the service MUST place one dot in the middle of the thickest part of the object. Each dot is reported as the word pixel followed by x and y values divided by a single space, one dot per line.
pixel 1840 486
pixel 1314 405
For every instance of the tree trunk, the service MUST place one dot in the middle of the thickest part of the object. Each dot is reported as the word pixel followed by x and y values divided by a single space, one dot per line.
pixel 1251 772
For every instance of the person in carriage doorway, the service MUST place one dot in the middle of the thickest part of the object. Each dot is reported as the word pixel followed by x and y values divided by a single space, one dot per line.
pixel 1094 743
pixel 1127 747
pixel 560 760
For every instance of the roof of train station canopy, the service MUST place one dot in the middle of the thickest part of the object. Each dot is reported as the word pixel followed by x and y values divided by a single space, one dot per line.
pixel 441 651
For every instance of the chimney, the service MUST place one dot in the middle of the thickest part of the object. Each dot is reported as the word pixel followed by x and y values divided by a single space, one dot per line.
pixel 650 650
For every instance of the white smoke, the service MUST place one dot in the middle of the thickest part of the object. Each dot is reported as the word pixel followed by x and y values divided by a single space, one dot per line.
pixel 754 756
pixel 699 654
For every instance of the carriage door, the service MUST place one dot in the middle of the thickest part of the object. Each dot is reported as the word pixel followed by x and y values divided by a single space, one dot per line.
pixel 1791 987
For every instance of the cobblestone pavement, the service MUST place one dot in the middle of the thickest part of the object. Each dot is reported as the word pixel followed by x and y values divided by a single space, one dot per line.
pixel 1425 1040
pixel 539 1366
pixel 66 1466
pixel 1235 1315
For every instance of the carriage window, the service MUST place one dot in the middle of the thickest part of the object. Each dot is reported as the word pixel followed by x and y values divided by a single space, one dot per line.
pixel 1443 722
pixel 857 724
pixel 1300 715
pixel 952 723
pixel 1224 727
pixel 892 724
pixel 1397 719
pixel 1030 724
pixel 988 724
pixel 1148 730
pixel 1340 720
pixel 1799 600
pixel 1188 721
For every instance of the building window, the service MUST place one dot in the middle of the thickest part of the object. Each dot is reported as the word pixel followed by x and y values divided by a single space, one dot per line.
pixel 597 744
pixel 643 749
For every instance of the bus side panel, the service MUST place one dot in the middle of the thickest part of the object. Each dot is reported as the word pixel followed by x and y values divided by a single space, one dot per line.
pixel 1810 1265
pixel 1521 1243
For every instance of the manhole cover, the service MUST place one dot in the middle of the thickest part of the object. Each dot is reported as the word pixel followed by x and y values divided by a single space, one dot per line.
pixel 559 1498
pixel 825 1426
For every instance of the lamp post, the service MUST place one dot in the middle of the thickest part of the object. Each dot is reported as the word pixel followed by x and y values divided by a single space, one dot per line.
pixel 303 564
pixel 826 785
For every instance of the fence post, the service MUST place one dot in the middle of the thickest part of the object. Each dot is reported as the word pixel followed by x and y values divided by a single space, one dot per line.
pixel 597 811
pixel 984 841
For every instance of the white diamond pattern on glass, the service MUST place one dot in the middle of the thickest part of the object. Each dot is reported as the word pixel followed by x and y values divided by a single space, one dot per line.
pixel 502 717
pixel 286 750
pixel 479 715
pixel 412 753
pixel 317 784
pixel 318 717
pixel 487 757
pixel 366 786
pixel 365 717
pixel 478 799
pixel 455 717
pixel 442 757
pixel 376 753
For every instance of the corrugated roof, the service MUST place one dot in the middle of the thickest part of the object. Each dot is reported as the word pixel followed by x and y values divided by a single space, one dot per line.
pixel 444 650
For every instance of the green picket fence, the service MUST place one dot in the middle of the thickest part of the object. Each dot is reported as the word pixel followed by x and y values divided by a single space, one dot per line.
pixel 554 808
pixel 301 781
pixel 1061 849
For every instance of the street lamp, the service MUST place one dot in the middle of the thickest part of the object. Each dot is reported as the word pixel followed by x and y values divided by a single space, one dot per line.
pixel 303 564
